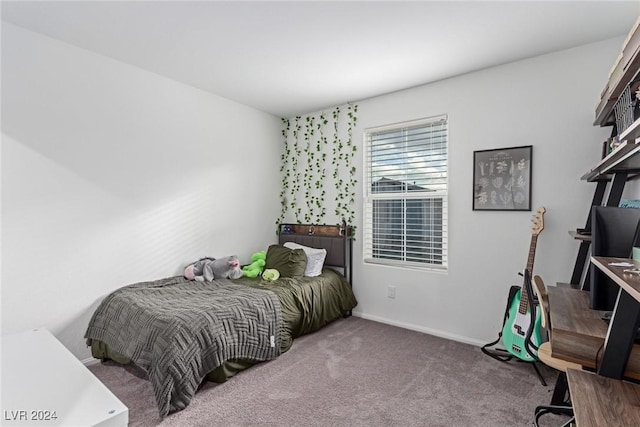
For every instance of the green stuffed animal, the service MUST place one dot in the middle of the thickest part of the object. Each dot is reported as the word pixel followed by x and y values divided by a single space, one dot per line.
pixel 254 269
pixel 271 274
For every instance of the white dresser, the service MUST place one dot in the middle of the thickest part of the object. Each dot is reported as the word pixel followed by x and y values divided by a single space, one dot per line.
pixel 43 384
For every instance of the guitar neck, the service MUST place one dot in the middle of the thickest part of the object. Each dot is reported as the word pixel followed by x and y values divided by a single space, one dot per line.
pixel 532 252
pixel 524 299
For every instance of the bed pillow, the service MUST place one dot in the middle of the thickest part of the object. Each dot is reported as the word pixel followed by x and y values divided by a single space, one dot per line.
pixel 288 262
pixel 315 258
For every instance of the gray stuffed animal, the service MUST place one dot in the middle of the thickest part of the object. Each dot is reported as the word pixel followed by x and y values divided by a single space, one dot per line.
pixel 208 269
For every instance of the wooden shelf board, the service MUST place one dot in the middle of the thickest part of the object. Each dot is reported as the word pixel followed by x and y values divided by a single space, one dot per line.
pixel 316 230
pixel 626 70
pixel 627 281
pixel 579 332
pixel 578 236
pixel 600 401
pixel 632 132
pixel 594 175
pixel 623 159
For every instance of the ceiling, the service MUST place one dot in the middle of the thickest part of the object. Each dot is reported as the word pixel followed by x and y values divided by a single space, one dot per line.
pixel 290 58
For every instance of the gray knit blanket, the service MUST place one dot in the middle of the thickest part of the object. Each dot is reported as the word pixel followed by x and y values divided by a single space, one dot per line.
pixel 179 330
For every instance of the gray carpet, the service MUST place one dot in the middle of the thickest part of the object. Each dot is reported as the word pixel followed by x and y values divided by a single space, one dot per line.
pixel 355 372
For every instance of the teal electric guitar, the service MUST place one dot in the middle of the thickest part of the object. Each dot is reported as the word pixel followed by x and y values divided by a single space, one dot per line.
pixel 519 322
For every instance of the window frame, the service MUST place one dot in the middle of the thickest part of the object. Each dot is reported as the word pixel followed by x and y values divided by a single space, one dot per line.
pixel 369 198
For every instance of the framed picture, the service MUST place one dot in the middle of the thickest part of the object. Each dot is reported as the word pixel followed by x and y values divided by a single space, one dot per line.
pixel 502 179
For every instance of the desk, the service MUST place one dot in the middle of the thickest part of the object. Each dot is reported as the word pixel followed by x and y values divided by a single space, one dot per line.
pixel 626 316
pixel 600 401
pixel 629 282
pixel 579 332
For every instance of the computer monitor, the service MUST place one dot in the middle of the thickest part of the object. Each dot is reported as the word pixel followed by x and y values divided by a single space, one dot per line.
pixel 613 234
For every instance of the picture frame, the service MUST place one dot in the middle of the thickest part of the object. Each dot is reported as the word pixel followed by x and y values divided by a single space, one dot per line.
pixel 502 179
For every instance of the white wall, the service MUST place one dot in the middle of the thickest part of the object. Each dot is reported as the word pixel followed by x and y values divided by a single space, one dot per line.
pixel 112 175
pixel 548 102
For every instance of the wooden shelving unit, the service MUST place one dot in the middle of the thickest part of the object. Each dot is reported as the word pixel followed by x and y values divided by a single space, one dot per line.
pixel 579 335
pixel 603 399
pixel 612 172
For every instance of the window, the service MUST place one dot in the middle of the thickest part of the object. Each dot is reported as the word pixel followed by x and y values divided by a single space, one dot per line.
pixel 405 221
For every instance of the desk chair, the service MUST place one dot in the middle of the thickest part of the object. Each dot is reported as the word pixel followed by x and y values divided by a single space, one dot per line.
pixel 559 401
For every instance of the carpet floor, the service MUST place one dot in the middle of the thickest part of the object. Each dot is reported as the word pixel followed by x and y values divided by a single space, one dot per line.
pixel 355 372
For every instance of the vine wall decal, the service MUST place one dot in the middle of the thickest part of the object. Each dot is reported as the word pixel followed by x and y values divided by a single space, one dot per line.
pixel 308 193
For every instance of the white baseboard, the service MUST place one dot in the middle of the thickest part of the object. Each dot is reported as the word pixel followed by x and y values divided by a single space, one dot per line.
pixel 90 361
pixel 422 329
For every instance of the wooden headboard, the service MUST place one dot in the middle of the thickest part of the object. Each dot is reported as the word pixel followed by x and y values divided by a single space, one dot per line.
pixel 336 239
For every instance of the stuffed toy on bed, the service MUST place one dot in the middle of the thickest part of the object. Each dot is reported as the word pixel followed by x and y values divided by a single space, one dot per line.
pixel 254 269
pixel 271 274
pixel 208 269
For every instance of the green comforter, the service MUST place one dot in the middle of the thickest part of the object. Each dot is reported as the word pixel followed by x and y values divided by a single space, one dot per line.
pixel 178 331
pixel 307 304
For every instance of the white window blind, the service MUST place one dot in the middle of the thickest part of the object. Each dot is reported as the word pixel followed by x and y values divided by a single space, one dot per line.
pixel 405 221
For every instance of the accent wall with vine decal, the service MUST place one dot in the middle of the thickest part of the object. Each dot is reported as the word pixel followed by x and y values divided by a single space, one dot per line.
pixel 318 175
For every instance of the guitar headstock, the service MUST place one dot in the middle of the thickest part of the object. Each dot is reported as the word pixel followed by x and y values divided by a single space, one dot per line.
pixel 538 221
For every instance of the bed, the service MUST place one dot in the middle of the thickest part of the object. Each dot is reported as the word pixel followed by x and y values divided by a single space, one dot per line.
pixel 183 332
